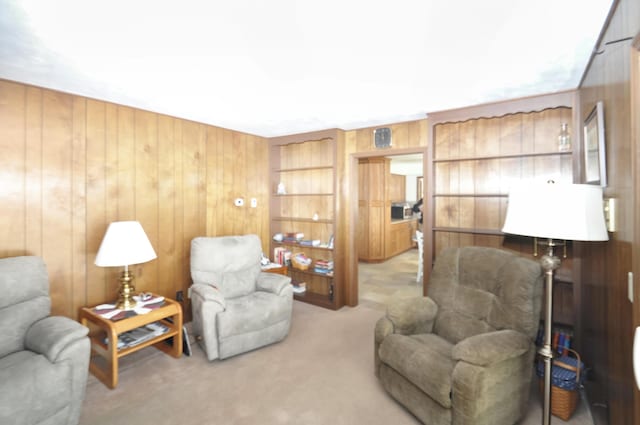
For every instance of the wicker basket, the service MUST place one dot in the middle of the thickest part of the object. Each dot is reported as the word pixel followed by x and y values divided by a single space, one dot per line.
pixel 296 264
pixel 564 400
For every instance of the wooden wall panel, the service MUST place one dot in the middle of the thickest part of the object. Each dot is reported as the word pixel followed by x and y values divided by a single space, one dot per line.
pixel 126 199
pixel 33 167
pixel 146 187
pixel 607 314
pixel 78 204
pixel 56 195
pixel 166 243
pixel 97 289
pixel 12 172
pixel 70 165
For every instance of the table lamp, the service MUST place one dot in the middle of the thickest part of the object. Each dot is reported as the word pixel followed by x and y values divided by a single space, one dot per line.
pixel 125 243
pixel 555 213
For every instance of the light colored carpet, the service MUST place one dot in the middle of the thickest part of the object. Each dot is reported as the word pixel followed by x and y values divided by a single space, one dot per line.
pixel 322 373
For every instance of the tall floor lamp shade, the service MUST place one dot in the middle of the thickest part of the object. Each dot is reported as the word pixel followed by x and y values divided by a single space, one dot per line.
pixel 125 243
pixel 555 213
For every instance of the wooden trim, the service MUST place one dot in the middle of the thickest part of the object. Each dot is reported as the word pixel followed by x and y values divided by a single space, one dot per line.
pixel 470 231
pixel 519 155
pixel 604 29
pixel 303 137
pixel 634 90
pixel 507 107
pixel 428 212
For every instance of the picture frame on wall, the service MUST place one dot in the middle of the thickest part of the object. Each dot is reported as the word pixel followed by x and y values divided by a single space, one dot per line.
pixel 595 164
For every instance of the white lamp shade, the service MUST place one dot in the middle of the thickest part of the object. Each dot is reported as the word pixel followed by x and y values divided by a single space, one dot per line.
pixel 124 243
pixel 556 211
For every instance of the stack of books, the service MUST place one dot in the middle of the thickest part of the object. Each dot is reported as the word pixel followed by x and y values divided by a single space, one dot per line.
pixel 292 237
pixel 560 340
pixel 299 287
pixel 310 242
pixel 323 267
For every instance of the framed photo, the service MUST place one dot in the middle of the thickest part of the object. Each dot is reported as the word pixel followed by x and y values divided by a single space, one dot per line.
pixel 595 164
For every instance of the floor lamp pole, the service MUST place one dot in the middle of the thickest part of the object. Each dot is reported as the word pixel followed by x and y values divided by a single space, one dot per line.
pixel 549 263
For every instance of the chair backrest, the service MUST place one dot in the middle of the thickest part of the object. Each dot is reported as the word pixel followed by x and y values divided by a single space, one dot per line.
pixel 230 263
pixel 24 299
pixel 481 289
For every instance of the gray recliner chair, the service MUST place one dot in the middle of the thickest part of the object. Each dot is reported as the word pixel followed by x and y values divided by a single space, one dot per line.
pixel 236 307
pixel 44 360
pixel 464 354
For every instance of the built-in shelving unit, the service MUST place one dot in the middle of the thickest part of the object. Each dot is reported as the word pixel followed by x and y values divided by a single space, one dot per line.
pixel 303 207
pixel 475 160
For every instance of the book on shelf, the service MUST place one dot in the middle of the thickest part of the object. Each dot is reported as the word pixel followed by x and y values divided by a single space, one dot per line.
pixel 310 242
pixel 282 256
pixel 298 286
pixel 139 335
pixel 186 343
pixel 323 267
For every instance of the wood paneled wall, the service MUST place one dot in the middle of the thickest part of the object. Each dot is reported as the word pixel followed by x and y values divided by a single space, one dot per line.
pixel 607 314
pixel 70 165
pixel 475 163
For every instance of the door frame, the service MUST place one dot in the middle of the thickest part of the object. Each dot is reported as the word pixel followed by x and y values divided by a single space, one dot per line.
pixel 352 246
pixel 634 90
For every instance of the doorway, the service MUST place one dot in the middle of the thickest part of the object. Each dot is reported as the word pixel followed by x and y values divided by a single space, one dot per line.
pixel 395 275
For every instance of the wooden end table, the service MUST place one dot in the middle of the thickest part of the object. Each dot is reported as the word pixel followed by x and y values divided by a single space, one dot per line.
pixel 100 327
pixel 277 270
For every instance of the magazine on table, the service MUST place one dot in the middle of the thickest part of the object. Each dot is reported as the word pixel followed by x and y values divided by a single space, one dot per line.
pixel 139 335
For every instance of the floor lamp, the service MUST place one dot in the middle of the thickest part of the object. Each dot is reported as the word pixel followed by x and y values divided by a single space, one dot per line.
pixel 554 213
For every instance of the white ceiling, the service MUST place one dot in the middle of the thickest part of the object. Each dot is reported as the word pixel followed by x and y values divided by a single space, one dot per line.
pixel 284 66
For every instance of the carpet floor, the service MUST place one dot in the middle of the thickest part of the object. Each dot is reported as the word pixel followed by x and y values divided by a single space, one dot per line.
pixel 322 373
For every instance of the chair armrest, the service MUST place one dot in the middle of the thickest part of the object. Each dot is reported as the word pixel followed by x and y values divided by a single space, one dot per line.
pixel 273 282
pixel 208 293
pixel 491 347
pixel 51 335
pixel 412 315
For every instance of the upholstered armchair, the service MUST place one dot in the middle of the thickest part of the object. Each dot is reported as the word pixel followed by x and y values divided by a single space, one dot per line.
pixel 236 307
pixel 44 360
pixel 464 354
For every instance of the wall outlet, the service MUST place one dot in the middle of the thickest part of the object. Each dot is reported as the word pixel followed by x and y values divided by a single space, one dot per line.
pixel 179 296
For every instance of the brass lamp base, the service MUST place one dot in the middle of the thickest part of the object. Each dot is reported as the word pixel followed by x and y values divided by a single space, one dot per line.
pixel 126 291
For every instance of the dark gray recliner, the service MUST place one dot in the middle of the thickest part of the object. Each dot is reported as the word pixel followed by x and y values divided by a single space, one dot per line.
pixel 44 360
pixel 464 354
pixel 236 307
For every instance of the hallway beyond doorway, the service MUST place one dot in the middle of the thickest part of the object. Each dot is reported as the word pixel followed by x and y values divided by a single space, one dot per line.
pixel 380 283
